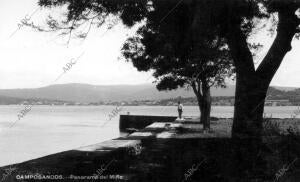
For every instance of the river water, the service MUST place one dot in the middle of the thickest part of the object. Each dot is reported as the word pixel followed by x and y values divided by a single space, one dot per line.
pixel 46 130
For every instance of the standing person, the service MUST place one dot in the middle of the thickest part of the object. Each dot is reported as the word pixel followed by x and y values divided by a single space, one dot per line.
pixel 180 109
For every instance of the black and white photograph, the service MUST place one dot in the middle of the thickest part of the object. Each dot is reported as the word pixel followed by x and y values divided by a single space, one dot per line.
pixel 150 90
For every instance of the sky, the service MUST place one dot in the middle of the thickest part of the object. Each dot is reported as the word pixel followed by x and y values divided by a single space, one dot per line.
pixel 31 59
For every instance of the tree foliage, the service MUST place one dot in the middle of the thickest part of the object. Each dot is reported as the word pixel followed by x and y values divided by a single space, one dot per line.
pixel 160 50
pixel 232 20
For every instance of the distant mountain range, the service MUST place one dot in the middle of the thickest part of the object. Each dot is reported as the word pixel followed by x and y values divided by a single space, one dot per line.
pixel 85 93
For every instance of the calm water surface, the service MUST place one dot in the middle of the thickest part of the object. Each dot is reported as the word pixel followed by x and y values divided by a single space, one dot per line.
pixel 50 129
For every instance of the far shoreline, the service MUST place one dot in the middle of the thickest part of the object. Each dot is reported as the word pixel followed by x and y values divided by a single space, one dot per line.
pixel 137 105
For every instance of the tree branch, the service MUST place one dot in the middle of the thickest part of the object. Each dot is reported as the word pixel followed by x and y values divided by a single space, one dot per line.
pixel 241 53
pixel 286 29
pixel 197 92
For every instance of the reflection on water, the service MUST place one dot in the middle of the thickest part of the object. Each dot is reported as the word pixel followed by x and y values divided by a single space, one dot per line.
pixel 49 129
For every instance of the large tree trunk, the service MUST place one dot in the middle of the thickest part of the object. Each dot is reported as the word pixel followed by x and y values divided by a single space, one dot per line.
pixel 249 108
pixel 251 84
pixel 247 128
pixel 251 89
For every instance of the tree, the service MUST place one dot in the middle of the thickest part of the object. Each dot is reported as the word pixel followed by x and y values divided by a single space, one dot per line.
pixel 235 20
pixel 237 23
pixel 203 64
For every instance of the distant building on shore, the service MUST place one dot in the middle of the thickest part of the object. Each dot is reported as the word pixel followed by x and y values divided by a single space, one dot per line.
pixel 280 102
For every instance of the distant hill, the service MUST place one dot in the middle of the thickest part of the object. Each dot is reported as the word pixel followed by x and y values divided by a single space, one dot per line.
pixel 92 93
pixel 4 100
pixel 292 95
pixel 285 88
pixel 86 93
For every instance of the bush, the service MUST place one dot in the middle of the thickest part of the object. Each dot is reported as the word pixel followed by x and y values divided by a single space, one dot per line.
pixel 271 128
